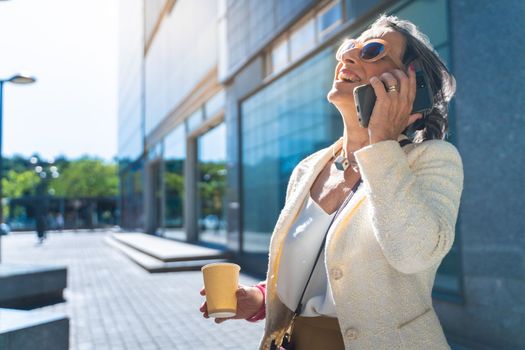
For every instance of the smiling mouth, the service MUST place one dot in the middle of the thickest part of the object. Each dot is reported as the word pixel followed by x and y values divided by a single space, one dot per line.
pixel 348 78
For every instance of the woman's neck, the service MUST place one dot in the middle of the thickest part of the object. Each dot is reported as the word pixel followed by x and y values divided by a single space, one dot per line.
pixel 354 135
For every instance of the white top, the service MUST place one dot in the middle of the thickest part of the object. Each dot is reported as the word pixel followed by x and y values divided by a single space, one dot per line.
pixel 300 249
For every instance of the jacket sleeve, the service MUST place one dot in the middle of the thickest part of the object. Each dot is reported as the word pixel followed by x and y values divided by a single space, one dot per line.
pixel 291 182
pixel 414 208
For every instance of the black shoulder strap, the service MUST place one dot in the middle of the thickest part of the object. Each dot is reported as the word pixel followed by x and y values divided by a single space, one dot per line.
pixel 297 311
pixel 404 142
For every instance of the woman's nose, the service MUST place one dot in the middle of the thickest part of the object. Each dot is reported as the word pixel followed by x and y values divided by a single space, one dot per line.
pixel 350 56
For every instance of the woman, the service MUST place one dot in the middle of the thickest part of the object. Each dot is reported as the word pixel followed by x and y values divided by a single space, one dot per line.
pixel 371 288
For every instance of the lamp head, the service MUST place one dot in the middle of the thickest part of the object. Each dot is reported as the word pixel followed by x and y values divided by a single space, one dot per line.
pixel 22 78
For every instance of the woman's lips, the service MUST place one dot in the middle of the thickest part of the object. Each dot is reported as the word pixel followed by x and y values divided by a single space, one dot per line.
pixel 348 76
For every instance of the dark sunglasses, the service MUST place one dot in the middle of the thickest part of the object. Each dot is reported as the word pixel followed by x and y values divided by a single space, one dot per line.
pixel 371 50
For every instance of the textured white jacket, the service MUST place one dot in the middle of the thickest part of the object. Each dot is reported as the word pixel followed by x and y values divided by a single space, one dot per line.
pixel 383 250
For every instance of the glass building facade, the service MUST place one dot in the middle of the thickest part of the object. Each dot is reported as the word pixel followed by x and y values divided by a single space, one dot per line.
pixel 174 157
pixel 130 116
pixel 211 186
pixel 281 124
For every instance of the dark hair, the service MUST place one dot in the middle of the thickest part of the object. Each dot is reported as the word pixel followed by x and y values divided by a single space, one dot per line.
pixel 434 124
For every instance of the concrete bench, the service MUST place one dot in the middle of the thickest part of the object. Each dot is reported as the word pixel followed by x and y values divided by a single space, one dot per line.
pixel 33 330
pixel 26 287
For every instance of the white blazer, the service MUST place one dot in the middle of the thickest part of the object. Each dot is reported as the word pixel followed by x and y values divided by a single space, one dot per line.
pixel 383 250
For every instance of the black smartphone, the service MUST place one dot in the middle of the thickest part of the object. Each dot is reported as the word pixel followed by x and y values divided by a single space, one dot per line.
pixel 365 97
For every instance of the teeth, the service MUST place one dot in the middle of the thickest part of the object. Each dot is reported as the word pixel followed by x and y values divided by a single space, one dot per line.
pixel 348 78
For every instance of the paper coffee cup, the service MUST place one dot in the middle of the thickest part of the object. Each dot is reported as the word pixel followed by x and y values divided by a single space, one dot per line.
pixel 221 281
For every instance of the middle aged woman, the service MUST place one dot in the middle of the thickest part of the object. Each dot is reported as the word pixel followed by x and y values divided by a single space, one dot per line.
pixel 395 211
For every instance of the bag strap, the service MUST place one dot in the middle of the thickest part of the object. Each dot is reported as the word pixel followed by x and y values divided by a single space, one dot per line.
pixel 297 311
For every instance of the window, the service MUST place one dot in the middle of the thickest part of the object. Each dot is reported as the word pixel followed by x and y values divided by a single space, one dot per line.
pixel 194 120
pixel 329 18
pixel 280 56
pixel 281 124
pixel 215 104
pixel 302 39
pixel 174 158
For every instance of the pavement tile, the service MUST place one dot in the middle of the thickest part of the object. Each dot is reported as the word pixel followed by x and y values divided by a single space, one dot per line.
pixel 114 304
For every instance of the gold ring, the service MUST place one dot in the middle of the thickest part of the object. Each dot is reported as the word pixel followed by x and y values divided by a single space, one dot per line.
pixel 392 88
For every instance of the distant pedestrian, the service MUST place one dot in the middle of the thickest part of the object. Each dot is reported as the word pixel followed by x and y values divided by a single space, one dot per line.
pixel 59 221
pixel 40 227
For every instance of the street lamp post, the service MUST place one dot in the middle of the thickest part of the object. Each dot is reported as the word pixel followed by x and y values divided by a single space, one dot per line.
pixel 15 79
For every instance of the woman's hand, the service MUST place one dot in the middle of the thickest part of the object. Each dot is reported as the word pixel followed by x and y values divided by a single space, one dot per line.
pixel 249 301
pixel 391 113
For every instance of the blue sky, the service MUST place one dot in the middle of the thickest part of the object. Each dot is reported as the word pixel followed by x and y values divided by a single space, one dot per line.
pixel 71 48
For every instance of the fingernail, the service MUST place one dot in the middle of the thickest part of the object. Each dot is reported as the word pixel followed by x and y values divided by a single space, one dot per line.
pixel 372 78
pixel 411 66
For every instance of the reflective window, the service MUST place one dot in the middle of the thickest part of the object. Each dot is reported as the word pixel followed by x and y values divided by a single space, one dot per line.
pixel 174 158
pixel 280 56
pixel 131 196
pixel 302 39
pixel 195 120
pixel 152 11
pixel 211 185
pixel 215 104
pixel 282 124
pixel 296 43
pixel 357 8
pixel 329 18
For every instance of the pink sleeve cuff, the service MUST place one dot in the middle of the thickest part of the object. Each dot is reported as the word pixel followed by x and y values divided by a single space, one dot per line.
pixel 261 314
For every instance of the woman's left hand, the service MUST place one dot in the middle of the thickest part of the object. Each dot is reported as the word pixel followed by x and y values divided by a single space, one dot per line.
pixel 391 113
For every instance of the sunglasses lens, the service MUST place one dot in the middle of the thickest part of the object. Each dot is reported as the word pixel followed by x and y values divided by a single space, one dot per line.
pixel 372 50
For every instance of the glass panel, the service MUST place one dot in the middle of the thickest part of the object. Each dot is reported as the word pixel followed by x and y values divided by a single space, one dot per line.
pixel 174 158
pixel 215 104
pixel 152 10
pixel 131 197
pixel 302 39
pixel 280 56
pixel 328 19
pixel 357 8
pixel 430 17
pixel 211 185
pixel 195 120
pixel 282 124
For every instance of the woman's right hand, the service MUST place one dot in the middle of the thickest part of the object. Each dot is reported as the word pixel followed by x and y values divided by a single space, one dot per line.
pixel 249 302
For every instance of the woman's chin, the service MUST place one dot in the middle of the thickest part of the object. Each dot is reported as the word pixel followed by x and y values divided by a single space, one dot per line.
pixel 340 98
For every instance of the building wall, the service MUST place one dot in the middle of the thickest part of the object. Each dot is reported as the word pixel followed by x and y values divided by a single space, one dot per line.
pixel 490 126
pixel 182 53
pixel 252 24
pixel 130 113
pixel 131 46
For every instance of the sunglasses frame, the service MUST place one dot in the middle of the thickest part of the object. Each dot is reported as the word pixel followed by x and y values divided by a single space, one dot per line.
pixel 357 45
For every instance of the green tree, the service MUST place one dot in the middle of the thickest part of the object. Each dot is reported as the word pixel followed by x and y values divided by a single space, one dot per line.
pixel 17 184
pixel 212 187
pixel 86 177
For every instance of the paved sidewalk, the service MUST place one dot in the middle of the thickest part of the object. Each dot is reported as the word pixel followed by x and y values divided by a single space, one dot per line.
pixel 114 304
